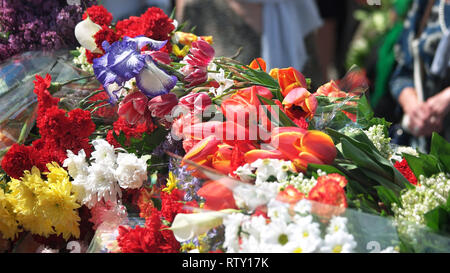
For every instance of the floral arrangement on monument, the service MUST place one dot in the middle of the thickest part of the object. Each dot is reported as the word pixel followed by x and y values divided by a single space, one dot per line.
pixel 178 150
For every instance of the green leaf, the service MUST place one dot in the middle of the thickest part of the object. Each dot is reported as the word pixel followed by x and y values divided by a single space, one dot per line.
pixel 388 197
pixel 426 165
pixel 283 120
pixel 440 148
pixel 438 219
pixel 326 168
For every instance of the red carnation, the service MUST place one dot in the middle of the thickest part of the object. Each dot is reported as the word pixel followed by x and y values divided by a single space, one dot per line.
pixel 45 99
pixel 405 170
pixel 90 56
pixel 18 159
pixel 99 15
pixel 154 23
pixel 130 131
pixel 81 123
pixel 105 34
pixel 148 239
pixel 109 111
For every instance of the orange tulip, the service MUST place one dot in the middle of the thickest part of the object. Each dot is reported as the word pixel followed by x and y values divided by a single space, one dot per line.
pixel 221 160
pixel 289 79
pixel 320 145
pixel 262 64
pixel 304 147
pixel 300 103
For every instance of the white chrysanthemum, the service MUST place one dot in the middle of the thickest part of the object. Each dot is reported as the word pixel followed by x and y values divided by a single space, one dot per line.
pixel 337 224
pixel 276 233
pixel 102 183
pixel 306 233
pixel 245 173
pixel 278 211
pixel 131 171
pixel 303 207
pixel 250 197
pixel 83 192
pixel 254 226
pixel 76 164
pixel 267 169
pixel 104 153
pixel 232 225
pixel 338 242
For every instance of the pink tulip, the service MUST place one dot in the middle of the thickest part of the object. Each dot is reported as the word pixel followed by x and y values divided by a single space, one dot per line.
pixel 162 106
pixel 196 102
pixel 134 107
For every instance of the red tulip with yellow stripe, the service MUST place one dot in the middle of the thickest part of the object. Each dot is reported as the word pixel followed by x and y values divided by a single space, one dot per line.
pixel 304 147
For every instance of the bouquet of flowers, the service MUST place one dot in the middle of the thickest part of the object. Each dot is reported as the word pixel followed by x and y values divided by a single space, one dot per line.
pixel 177 150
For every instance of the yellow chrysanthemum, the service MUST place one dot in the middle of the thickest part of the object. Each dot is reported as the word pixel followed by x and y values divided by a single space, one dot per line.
pixel 8 224
pixel 45 207
pixel 24 199
pixel 171 183
pixel 59 204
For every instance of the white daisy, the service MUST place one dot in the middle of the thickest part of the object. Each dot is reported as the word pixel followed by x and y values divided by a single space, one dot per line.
pixel 338 242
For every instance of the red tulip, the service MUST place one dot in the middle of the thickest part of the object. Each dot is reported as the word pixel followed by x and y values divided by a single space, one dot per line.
pixel 162 106
pixel 133 107
pixel 203 151
pixel 218 195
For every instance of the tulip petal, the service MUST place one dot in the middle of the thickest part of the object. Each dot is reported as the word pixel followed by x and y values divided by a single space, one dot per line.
pixel 287 143
pixel 296 96
pixel 203 151
pixel 320 145
pixel 254 155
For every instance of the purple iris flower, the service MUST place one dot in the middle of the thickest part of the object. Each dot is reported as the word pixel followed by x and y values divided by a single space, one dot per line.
pixel 123 61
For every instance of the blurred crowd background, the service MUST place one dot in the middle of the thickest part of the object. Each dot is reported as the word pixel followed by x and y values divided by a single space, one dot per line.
pixel 402 47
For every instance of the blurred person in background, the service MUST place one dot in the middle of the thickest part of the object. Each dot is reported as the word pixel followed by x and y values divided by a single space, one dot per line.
pixel 421 80
pixel 272 29
pixel 123 9
pixel 334 36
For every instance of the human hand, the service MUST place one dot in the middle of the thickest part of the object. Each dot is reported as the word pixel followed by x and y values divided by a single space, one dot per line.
pixel 420 122
pixel 439 106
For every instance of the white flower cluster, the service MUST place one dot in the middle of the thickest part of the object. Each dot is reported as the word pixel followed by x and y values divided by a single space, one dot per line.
pixel 285 233
pixel 398 152
pixel 107 173
pixel 82 62
pixel 429 194
pixel 266 170
pixel 302 183
pixel 379 139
